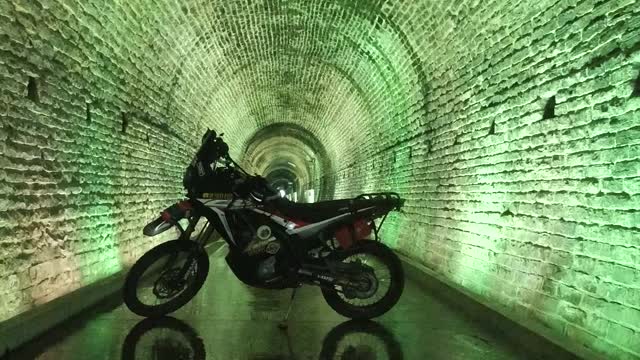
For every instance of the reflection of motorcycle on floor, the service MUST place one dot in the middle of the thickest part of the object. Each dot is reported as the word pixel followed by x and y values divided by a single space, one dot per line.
pixel 170 338
pixel 360 340
pixel 164 338
pixel 350 340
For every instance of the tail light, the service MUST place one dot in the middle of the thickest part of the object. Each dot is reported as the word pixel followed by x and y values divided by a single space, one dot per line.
pixel 348 234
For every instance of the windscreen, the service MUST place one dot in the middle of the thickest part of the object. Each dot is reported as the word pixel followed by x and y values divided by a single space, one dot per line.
pixel 204 152
pixel 199 164
pixel 199 176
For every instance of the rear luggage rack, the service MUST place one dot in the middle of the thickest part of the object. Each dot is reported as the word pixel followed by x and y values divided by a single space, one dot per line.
pixel 388 196
pixel 394 200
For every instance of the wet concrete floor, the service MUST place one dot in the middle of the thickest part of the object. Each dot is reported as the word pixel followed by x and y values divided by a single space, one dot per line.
pixel 228 320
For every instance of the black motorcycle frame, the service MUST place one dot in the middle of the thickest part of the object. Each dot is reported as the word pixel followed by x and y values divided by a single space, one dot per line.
pixel 251 196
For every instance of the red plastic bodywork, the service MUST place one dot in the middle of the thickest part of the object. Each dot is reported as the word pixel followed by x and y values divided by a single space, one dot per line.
pixel 176 211
pixel 348 234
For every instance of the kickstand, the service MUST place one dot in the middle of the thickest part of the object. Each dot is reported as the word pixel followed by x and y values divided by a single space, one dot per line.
pixel 283 324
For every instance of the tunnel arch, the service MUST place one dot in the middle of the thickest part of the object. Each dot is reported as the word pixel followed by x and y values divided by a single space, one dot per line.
pixel 281 144
pixel 495 191
pixel 283 177
pixel 212 41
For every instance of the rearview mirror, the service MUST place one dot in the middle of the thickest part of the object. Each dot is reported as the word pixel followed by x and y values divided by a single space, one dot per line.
pixel 206 134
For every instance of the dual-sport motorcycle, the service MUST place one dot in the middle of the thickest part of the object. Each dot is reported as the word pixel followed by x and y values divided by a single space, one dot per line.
pixel 273 243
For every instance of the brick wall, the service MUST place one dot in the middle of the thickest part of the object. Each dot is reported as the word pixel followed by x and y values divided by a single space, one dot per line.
pixel 540 214
pixel 510 127
pixel 85 156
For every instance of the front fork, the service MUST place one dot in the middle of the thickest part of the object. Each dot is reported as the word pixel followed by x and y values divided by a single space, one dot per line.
pixel 185 234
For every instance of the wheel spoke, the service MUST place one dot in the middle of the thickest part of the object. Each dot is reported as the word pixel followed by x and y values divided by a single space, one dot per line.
pixel 157 285
pixel 379 279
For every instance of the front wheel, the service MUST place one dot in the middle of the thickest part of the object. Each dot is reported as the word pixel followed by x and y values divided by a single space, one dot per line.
pixel 164 337
pixel 371 291
pixel 165 278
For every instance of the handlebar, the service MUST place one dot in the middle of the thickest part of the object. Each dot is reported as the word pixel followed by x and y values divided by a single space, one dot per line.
pixel 214 149
pixel 258 188
pixel 272 197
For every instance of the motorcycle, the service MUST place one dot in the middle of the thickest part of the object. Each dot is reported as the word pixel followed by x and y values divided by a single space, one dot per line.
pixel 273 243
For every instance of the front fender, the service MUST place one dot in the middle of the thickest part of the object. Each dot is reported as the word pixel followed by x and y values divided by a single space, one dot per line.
pixel 157 226
pixel 168 218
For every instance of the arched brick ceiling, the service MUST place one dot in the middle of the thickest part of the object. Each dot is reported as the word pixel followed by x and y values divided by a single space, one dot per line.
pixel 243 66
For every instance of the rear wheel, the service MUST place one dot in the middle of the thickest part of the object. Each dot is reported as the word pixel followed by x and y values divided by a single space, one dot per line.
pixel 374 289
pixel 165 278
pixel 357 339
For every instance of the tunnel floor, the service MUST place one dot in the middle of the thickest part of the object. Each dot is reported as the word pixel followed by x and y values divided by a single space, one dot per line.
pixel 228 320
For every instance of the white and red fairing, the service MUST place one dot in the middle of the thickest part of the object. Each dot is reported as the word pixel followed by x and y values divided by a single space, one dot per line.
pixel 293 226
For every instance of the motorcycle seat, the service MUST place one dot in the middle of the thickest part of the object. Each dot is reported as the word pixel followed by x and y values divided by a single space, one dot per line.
pixel 319 211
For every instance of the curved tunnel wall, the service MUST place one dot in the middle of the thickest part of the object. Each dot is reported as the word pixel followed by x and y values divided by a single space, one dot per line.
pixel 511 128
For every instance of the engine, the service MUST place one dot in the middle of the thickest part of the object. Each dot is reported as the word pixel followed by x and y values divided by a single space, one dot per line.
pixel 266 246
pixel 261 257
pixel 263 243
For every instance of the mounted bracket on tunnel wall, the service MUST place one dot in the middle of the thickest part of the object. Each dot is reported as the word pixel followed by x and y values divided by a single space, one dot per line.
pixel 32 90
pixel 550 108
pixel 507 213
pixel 88 112
pixel 125 122
pixel 492 128
pixel 636 86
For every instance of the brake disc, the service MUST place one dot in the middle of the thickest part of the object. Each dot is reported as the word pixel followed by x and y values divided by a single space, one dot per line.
pixel 366 287
pixel 168 284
